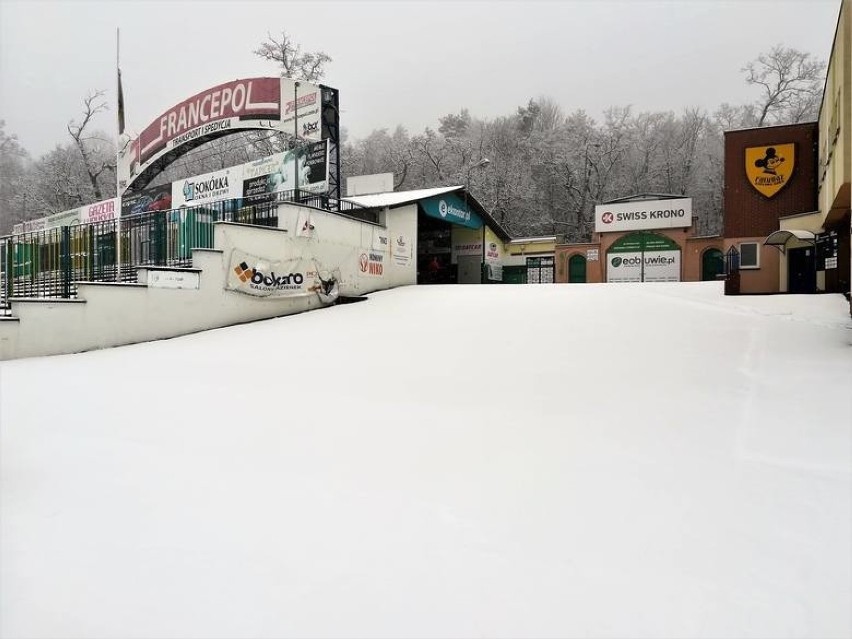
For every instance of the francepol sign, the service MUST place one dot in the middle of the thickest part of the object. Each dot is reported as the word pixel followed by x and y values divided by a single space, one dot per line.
pixel 649 214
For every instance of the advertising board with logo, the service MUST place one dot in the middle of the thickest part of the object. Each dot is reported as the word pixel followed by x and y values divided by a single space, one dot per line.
pixel 219 185
pixel 651 214
pixel 401 250
pixel 643 257
pixel 155 198
pixel 371 263
pixel 100 211
pixel 493 256
pixel 262 277
pixel 250 103
pixel 267 176
pixel 450 208
pixel 648 266
pixel 769 168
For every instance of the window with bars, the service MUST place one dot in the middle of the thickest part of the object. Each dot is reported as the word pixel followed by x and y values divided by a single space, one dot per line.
pixel 540 270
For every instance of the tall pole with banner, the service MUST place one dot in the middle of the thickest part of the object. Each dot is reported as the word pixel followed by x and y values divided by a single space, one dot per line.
pixel 119 121
pixel 296 137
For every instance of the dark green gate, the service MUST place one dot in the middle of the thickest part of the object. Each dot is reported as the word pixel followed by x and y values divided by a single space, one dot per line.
pixel 577 269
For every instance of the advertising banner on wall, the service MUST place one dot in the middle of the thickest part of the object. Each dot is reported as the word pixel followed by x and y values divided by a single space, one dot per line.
pixel 103 211
pixel 451 208
pixel 219 185
pixel 371 263
pixel 493 256
pixel 262 277
pixel 650 214
pixel 401 246
pixel 267 176
pixel 155 198
pixel 650 266
pixel 250 103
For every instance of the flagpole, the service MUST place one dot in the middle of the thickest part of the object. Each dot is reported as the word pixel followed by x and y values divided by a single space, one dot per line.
pixel 119 106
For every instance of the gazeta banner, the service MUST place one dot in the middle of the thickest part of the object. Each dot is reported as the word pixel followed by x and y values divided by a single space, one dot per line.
pixel 452 209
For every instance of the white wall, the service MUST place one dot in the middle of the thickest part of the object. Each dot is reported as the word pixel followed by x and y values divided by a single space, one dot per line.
pixel 106 315
pixel 369 184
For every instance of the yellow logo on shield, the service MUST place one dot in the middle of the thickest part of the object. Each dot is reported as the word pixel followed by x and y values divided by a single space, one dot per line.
pixel 769 167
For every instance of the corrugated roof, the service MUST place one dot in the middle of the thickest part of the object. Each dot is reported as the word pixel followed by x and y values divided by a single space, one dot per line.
pixel 398 198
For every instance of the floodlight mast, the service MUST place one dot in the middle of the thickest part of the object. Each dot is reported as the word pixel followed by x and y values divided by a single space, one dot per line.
pixel 296 137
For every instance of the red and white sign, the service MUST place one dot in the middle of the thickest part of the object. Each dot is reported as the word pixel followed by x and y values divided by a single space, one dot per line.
pixel 371 263
pixel 643 214
pixel 100 211
pixel 252 103
pixel 254 99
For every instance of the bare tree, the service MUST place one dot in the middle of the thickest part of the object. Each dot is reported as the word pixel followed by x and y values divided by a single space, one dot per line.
pixel 308 66
pixel 90 146
pixel 790 83
pixel 13 170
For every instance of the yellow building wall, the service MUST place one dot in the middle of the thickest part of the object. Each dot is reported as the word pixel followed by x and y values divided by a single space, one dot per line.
pixel 835 118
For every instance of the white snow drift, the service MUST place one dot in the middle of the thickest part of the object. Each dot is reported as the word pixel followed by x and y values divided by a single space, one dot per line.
pixel 590 460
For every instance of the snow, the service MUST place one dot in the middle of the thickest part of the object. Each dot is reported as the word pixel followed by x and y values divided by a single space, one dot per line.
pixel 551 461
pixel 397 198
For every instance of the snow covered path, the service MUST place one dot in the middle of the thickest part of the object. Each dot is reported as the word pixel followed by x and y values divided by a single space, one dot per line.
pixel 597 460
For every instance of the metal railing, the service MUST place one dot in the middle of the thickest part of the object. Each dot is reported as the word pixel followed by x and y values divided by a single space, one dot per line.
pixel 326 203
pixel 49 263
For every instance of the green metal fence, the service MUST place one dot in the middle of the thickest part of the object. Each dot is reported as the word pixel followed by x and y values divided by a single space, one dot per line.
pixel 49 263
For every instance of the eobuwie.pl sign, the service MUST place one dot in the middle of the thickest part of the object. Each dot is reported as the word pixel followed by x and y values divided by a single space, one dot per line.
pixel 650 214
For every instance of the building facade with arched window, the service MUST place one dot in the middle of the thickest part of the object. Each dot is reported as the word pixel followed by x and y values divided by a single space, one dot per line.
pixel 642 238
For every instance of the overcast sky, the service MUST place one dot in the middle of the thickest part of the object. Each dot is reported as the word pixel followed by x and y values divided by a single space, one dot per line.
pixel 395 62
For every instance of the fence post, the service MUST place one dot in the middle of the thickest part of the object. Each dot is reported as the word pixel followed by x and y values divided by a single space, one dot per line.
pixel 10 269
pixel 65 261
pixel 90 252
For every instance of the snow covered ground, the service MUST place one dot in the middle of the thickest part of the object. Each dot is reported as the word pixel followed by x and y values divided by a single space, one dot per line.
pixel 600 460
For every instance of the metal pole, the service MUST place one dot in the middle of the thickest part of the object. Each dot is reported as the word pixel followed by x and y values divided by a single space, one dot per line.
pixel 296 136
pixel 118 147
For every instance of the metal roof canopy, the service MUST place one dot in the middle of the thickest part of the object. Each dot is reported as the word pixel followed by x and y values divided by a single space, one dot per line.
pixel 792 238
pixel 399 198
pixel 643 197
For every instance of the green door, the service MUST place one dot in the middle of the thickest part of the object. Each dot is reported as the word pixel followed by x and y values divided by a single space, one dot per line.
pixel 577 269
pixel 712 264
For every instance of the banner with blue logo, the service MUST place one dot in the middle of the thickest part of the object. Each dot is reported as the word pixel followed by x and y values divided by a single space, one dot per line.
pixel 453 209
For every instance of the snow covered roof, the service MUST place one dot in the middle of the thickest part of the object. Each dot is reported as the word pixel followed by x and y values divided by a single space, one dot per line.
pixel 530 240
pixel 398 198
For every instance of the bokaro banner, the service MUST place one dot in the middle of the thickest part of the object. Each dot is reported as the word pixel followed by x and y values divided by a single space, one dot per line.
pixel 262 277
pixel 254 103
pixel 650 266
pixel 650 214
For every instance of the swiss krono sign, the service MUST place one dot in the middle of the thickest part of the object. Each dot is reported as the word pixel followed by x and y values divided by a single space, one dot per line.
pixel 252 103
pixel 650 214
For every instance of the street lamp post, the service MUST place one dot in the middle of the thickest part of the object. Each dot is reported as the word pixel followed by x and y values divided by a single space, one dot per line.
pixel 483 162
